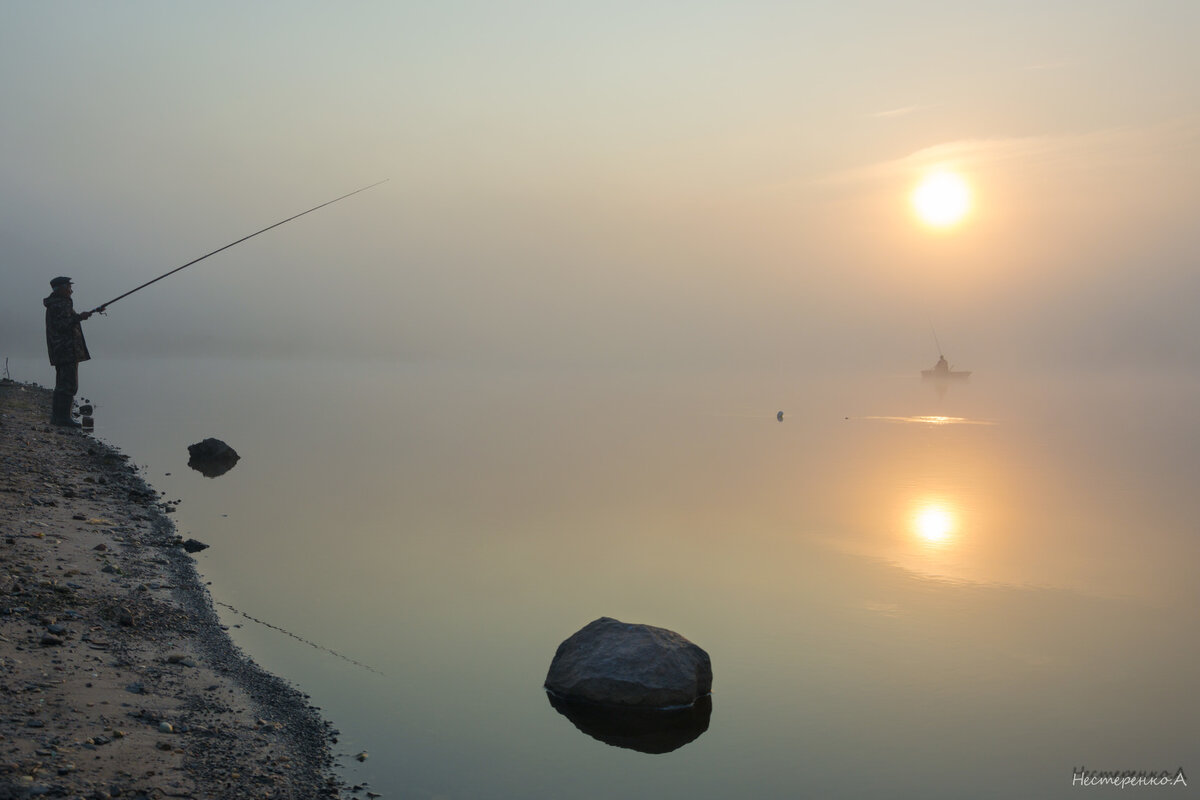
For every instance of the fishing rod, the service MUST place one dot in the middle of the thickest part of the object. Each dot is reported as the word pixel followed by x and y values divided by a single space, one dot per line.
pixel 100 309
pixel 935 339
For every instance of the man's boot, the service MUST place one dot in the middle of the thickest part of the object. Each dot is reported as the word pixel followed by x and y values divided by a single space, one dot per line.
pixel 60 411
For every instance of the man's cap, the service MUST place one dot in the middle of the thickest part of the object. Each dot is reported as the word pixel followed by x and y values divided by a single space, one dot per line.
pixel 59 281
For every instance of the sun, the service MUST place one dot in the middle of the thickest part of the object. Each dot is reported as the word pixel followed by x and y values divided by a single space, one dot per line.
pixel 934 524
pixel 942 199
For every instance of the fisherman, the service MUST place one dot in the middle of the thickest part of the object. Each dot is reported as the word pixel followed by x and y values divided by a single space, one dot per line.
pixel 942 366
pixel 66 347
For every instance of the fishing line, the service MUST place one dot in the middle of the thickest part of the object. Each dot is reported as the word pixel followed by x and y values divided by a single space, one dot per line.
pixel 300 638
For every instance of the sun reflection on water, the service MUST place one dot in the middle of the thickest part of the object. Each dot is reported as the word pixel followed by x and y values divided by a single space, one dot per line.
pixel 935 523
pixel 928 419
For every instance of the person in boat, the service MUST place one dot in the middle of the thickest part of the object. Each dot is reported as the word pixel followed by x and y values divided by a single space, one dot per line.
pixel 942 367
pixel 66 348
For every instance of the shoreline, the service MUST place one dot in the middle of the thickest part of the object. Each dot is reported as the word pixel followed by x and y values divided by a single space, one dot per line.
pixel 117 677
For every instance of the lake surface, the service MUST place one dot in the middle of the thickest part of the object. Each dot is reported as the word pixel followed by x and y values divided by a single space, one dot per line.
pixel 905 592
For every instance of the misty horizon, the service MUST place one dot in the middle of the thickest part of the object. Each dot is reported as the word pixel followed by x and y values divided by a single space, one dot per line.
pixel 724 188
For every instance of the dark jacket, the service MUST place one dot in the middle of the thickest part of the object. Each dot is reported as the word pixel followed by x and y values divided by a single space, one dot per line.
pixel 64 334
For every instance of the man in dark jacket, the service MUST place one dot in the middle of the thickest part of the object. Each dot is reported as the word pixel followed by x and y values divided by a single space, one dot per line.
pixel 65 344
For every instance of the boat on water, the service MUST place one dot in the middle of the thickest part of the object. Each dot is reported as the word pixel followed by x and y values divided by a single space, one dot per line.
pixel 941 371
pixel 945 374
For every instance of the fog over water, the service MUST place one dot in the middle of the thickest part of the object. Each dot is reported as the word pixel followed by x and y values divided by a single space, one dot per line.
pixel 905 593
pixel 533 379
pixel 634 187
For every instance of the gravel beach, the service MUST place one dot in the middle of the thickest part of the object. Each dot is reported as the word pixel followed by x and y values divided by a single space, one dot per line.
pixel 116 678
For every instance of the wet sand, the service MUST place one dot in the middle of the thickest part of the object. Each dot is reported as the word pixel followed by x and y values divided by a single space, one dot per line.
pixel 116 678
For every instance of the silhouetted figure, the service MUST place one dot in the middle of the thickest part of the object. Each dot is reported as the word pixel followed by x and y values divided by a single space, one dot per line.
pixel 942 366
pixel 66 348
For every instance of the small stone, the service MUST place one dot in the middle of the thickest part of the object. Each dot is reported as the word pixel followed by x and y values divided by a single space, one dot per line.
pixel 362 756
pixel 50 640
pixel 211 457
pixel 125 617
pixel 165 727
pixel 101 547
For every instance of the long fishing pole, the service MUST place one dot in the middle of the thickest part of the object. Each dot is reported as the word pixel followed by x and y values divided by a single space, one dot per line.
pixel 101 308
pixel 935 339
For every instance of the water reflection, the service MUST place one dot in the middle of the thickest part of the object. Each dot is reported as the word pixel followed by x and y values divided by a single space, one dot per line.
pixel 646 730
pixel 933 420
pixel 934 523
pixel 493 495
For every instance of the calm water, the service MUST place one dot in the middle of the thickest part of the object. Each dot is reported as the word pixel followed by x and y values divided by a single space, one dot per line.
pixel 905 594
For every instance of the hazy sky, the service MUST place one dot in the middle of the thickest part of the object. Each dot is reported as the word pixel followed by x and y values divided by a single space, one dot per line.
pixel 705 183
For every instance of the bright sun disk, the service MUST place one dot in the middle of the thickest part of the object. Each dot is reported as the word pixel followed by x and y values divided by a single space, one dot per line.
pixel 934 524
pixel 941 199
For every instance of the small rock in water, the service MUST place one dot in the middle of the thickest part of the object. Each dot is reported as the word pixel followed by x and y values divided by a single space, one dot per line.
pixel 212 457
pixel 194 546
pixel 362 756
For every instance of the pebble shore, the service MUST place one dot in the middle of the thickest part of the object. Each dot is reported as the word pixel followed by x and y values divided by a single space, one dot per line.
pixel 116 677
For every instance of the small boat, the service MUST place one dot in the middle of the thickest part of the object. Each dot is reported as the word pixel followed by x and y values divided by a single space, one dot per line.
pixel 941 372
pixel 945 374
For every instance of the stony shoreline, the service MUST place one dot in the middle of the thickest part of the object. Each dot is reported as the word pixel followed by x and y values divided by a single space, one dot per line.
pixel 116 677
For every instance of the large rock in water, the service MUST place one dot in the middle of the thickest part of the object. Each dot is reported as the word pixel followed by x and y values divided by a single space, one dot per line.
pixel 212 457
pixel 614 663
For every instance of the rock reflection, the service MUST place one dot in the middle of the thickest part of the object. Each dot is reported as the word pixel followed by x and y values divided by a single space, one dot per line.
pixel 645 730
